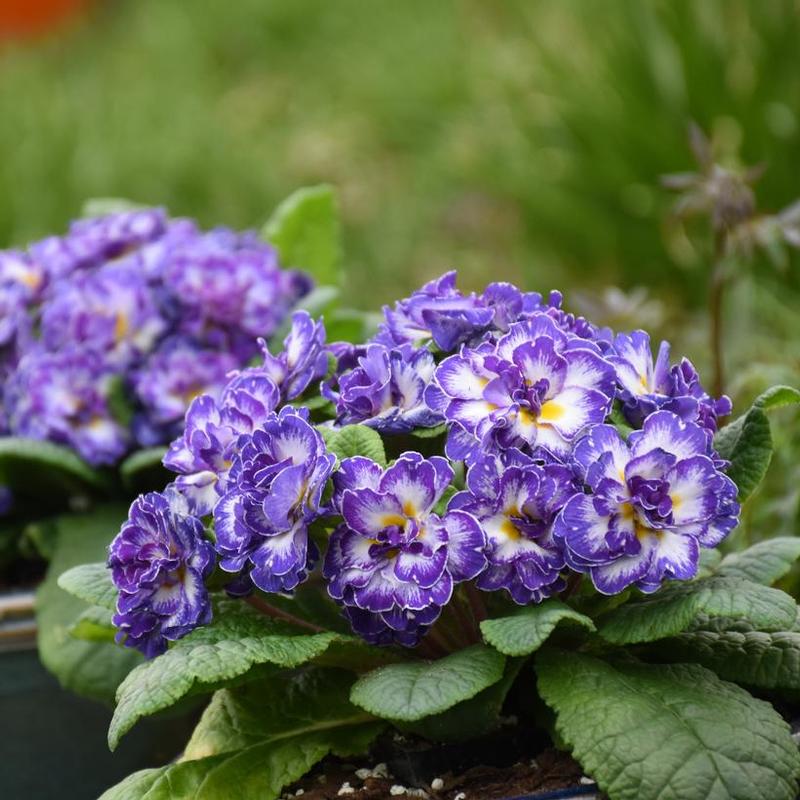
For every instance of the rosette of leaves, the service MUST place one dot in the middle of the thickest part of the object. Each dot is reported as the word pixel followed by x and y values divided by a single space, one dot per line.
pixel 658 696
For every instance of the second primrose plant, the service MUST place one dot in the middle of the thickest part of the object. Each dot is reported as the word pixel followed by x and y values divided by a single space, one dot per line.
pixel 503 501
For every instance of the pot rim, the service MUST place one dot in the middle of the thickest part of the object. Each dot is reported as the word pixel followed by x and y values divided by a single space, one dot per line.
pixel 17 620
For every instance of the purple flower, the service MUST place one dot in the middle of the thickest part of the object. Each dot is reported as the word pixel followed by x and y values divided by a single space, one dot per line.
pixel 18 271
pixel 63 397
pixel 651 504
pixel 645 387
pixel 437 311
pixel 214 434
pixel 159 561
pixel 228 283
pixel 385 388
pixel 393 561
pixel 170 379
pixel 303 360
pixel 538 388
pixel 274 493
pixel 90 242
pixel 111 310
pixel 516 500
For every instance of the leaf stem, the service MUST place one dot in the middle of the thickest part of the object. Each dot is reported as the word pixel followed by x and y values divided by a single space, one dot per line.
pixel 476 603
pixel 271 611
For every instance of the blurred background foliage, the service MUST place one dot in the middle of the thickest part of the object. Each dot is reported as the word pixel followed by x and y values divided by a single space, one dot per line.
pixel 521 140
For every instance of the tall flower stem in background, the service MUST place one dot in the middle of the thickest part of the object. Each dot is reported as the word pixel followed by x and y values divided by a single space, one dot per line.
pixel 716 293
pixel 725 196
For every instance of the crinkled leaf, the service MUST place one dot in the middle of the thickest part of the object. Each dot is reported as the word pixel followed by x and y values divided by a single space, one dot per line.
pixel 237 640
pixel 673 609
pixel 33 468
pixel 747 442
pixel 91 583
pixel 414 690
pixel 709 561
pixel 357 440
pixel 471 718
pixel 764 562
pixel 288 704
pixel 737 652
pixel 93 669
pixel 526 630
pixel 668 732
pixel 260 737
pixel 306 232
pixel 94 625
pixel 257 772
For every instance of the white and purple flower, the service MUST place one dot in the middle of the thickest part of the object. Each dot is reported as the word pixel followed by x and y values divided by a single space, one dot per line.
pixel 645 387
pixel 112 311
pixel 537 388
pixel 171 377
pixel 516 500
pixel 384 388
pixel 651 503
pixel 303 360
pixel 159 562
pixel 231 284
pixel 393 561
pixel 64 397
pixel 274 493
pixel 215 433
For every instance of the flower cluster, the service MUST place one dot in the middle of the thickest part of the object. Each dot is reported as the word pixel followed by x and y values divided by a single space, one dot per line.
pixel 135 307
pixel 531 474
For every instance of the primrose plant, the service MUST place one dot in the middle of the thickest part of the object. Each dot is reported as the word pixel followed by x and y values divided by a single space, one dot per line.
pixel 490 499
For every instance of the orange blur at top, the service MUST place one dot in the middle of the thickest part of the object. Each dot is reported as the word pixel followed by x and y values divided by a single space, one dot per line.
pixel 19 18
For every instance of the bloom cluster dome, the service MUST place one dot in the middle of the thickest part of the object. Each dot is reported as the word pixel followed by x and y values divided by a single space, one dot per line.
pixel 526 448
pixel 130 305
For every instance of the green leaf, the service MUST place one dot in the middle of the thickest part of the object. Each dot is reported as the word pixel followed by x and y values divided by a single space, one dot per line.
pixel 430 433
pixel 747 442
pixel 258 772
pixel 306 232
pixel 708 563
pixel 668 732
pixel 259 738
pixel 238 640
pixel 32 468
pixel 673 609
pixel 94 625
pixel 737 652
pixel 143 469
pixel 288 704
pixel 91 583
pixel 526 631
pixel 470 719
pixel 357 440
pixel 93 669
pixel 618 419
pixel 764 562
pixel 415 690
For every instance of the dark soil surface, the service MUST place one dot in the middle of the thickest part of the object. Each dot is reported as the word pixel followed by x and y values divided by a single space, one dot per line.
pixel 548 771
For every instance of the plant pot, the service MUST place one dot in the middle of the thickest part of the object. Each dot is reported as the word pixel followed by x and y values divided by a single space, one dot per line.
pixel 53 743
pixel 581 793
